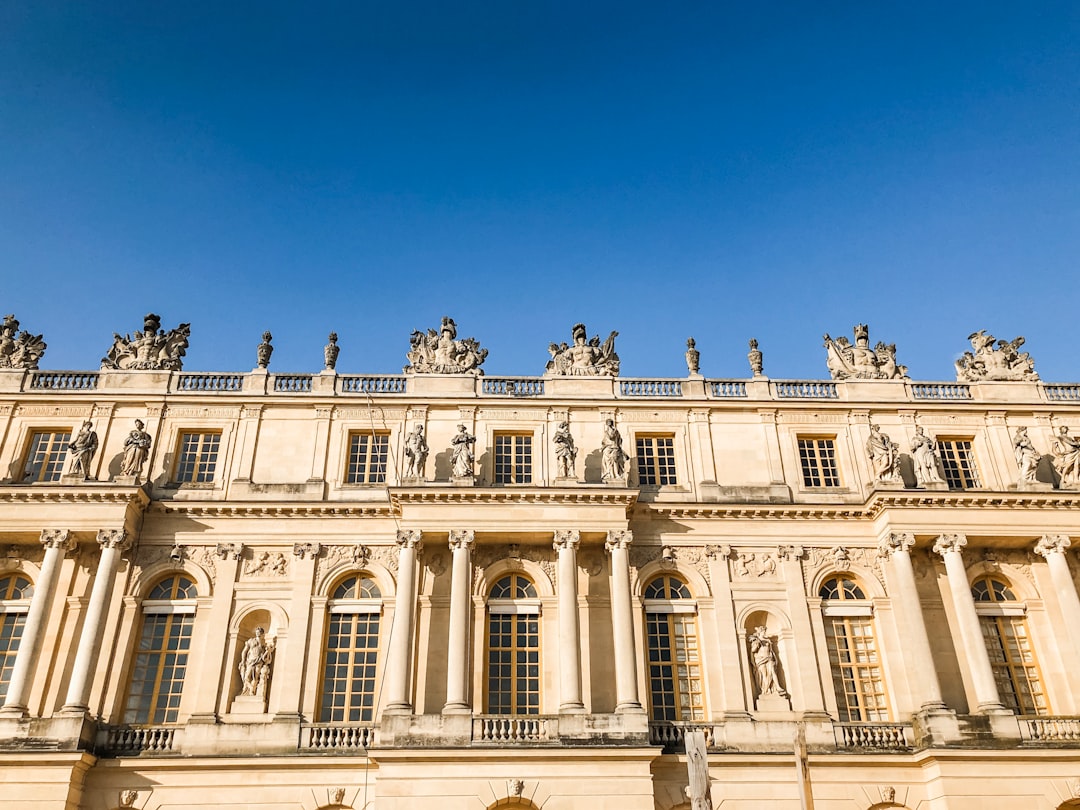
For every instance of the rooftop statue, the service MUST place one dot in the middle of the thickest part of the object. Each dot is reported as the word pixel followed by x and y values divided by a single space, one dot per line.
pixel 987 362
pixel 441 353
pixel 19 349
pixel 585 358
pixel 859 361
pixel 151 348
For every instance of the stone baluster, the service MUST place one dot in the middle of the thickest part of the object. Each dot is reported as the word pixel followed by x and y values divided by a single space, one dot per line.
pixel 982 674
pixel 457 654
pixel 566 545
pixel 113 543
pixel 622 622
pixel 398 665
pixel 57 543
pixel 1053 548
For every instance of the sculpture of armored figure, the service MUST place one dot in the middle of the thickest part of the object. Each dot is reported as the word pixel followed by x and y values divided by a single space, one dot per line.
pixel 151 348
pixel 264 350
pixel 925 456
pixel 755 358
pixel 416 453
pixel 565 450
pixel 584 358
pixel 330 352
pixel 884 456
pixel 763 656
pixel 859 361
pixel 463 456
pixel 82 449
pixel 612 456
pixel 19 350
pixel 1066 450
pixel 256 659
pixel 987 362
pixel 136 450
pixel 441 353
pixel 1027 457
pixel 693 357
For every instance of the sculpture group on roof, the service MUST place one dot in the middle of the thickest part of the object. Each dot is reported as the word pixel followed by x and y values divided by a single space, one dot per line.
pixel 988 362
pixel 441 353
pixel 858 361
pixel 584 357
pixel 152 348
pixel 19 349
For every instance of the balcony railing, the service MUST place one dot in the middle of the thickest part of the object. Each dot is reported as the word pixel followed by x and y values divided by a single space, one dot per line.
pixel 1050 729
pixel 874 736
pixel 133 740
pixel 512 386
pixel 292 383
pixel 503 729
pixel 727 389
pixel 650 388
pixel 335 737
pixel 385 384
pixel 192 381
pixel 940 391
pixel 64 380
pixel 672 733
pixel 1062 393
pixel 805 389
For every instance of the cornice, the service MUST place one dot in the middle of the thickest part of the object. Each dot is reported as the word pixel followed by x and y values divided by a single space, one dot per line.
pixel 561 496
pixel 80 494
pixel 233 509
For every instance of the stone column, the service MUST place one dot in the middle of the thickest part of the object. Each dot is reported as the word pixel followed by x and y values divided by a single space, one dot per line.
pixel 457 654
pixel 1053 548
pixel 113 543
pixel 897 548
pixel 205 682
pixel 57 542
pixel 627 698
pixel 401 640
pixel 566 544
pixel 974 652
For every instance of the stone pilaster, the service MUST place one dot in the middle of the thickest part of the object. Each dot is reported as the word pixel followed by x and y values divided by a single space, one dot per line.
pixel 457 656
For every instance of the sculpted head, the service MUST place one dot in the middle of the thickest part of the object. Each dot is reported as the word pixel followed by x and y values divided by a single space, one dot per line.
pixel 139 424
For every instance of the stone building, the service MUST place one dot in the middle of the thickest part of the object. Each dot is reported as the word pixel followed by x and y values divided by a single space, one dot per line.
pixel 442 589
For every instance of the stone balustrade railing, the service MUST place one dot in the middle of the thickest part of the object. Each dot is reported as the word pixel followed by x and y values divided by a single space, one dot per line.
pixel 874 736
pixel 672 734
pixel 335 737
pixel 1050 729
pixel 132 740
pixel 509 729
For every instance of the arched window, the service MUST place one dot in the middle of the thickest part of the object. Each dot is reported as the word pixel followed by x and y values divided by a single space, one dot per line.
pixel 157 677
pixel 15 593
pixel 351 652
pixel 1008 642
pixel 513 648
pixel 675 690
pixel 853 654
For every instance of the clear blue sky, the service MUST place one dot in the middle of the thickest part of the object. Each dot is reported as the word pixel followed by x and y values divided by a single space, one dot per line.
pixel 721 170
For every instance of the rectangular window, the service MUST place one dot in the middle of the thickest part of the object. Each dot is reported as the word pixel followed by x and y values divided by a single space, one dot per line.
pixel 656 460
pixel 817 457
pixel 958 462
pixel 856 670
pixel 513 663
pixel 513 458
pixel 46 455
pixel 196 457
pixel 11 630
pixel 157 678
pixel 352 647
pixel 1013 660
pixel 367 458
pixel 674 667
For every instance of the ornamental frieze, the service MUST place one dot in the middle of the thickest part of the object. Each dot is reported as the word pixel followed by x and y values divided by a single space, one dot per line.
pixel 358 555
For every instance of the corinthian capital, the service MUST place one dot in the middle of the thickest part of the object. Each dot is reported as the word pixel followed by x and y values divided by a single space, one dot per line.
pixel 57 538
pixel 410 538
pixel 113 538
pixel 897 541
pixel 462 539
pixel 619 538
pixel 1052 544
pixel 567 539
pixel 949 542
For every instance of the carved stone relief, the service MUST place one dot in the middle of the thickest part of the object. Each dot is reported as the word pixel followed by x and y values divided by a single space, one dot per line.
pixel 265 564
pixel 487 555
pixel 753 564
pixel 358 554
pixel 989 362
pixel 843 558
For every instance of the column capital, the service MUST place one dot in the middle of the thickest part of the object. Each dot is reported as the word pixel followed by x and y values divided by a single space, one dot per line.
pixel 410 538
pixel 58 538
pixel 114 538
pixel 305 550
pixel 1052 544
pixel 566 539
pixel 462 539
pixel 949 542
pixel 618 538
pixel 896 542
pixel 229 551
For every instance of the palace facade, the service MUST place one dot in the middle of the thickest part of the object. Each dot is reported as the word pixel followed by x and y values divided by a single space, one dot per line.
pixel 268 591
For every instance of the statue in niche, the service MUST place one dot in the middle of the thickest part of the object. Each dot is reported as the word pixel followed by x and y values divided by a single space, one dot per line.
pixel 859 361
pixel 565 451
pixel 763 656
pixel 151 348
pixel 1066 450
pixel 256 662
pixel 416 453
pixel 612 456
pixel 924 454
pixel 693 357
pixel 463 454
pixel 19 350
pixel 584 358
pixel 987 362
pixel 82 449
pixel 442 353
pixel 1027 457
pixel 755 358
pixel 136 450
pixel 884 456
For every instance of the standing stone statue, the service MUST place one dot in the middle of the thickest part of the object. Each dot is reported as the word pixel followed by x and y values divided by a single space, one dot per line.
pixel 565 451
pixel 463 458
pixel 1067 457
pixel 884 456
pixel 757 360
pixel 264 350
pixel 612 456
pixel 416 453
pixel 330 352
pixel 693 357
pixel 82 449
pixel 925 456
pixel 256 655
pixel 136 450
pixel 1027 457
pixel 763 656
